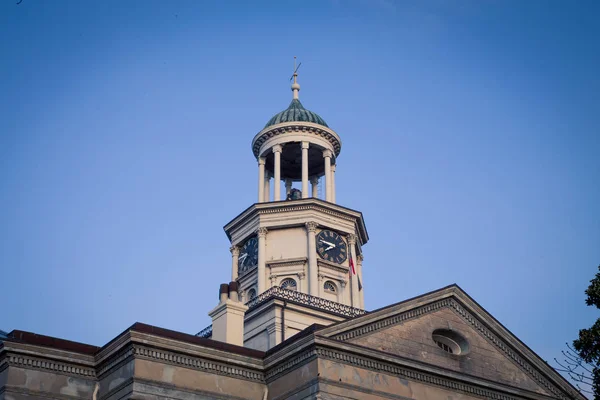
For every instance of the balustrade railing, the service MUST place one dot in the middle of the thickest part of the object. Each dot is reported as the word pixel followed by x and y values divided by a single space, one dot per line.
pixel 205 333
pixel 305 299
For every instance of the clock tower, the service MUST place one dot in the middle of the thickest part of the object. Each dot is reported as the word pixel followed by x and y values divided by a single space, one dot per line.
pixel 296 256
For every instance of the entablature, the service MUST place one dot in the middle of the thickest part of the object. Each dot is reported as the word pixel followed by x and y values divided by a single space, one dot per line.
pixel 293 213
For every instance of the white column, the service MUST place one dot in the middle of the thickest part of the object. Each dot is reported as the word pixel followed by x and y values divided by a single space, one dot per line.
pixel 288 186
pixel 315 186
pixel 235 253
pixel 353 278
pixel 345 293
pixel 304 170
pixel 277 187
pixel 311 229
pixel 261 179
pixel 333 183
pixel 361 293
pixel 267 191
pixel 327 157
pixel 262 255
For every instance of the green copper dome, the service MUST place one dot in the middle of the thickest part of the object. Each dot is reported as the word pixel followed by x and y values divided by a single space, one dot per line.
pixel 296 113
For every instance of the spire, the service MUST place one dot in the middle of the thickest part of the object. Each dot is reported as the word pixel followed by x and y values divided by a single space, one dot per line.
pixel 295 85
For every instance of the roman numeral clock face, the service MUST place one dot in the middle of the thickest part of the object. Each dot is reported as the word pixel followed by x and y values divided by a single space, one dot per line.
pixel 331 247
pixel 248 257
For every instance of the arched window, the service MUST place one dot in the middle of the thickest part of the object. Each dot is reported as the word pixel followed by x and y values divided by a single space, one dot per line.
pixel 329 287
pixel 288 283
pixel 251 294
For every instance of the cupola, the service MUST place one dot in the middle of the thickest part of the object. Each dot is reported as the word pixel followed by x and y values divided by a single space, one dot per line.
pixel 296 145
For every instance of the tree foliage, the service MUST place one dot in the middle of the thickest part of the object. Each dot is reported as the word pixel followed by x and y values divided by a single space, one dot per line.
pixel 582 361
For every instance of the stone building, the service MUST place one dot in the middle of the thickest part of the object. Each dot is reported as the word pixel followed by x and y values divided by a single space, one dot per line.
pixel 291 323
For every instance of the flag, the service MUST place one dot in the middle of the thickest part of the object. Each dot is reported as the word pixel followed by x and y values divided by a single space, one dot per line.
pixel 359 284
pixel 352 265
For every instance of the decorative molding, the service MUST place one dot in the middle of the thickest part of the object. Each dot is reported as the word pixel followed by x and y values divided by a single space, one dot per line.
pixel 351 239
pixel 290 262
pixel 290 364
pixel 327 153
pixel 305 299
pixel 271 329
pixel 262 232
pixel 198 364
pixel 316 130
pixel 3 364
pixel 277 148
pixel 311 226
pixel 301 275
pixel 205 333
pixel 305 207
pixel 115 360
pixel 252 216
pixel 23 361
pixel 304 145
pixel 343 283
pixel 461 311
pixel 261 161
pixel 329 264
pixel 235 251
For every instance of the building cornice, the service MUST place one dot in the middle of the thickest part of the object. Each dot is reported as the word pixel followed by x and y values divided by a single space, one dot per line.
pixel 115 360
pixel 334 266
pixel 297 126
pixel 58 355
pixel 205 364
pixel 42 363
pixel 24 355
pixel 252 214
pixel 290 262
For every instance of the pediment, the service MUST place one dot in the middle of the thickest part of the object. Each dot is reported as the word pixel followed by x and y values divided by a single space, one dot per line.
pixel 492 352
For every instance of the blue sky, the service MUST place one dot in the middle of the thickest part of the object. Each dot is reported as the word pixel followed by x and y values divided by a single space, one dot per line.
pixel 470 143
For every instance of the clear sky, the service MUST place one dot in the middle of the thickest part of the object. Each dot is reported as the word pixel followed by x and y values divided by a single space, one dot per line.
pixel 470 137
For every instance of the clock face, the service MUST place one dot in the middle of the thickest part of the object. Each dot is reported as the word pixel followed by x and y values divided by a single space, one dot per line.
pixel 331 247
pixel 248 257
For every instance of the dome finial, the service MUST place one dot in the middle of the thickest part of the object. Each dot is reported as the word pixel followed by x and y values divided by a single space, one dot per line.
pixel 295 85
